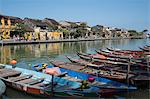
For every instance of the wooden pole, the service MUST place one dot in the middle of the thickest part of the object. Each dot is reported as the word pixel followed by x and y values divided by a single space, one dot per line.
pixel 147 63
pixel 128 70
pixel 52 85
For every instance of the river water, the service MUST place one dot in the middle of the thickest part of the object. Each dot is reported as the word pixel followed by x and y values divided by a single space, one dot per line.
pixel 30 54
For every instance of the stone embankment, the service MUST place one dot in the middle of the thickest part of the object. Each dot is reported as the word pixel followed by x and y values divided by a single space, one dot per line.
pixel 13 42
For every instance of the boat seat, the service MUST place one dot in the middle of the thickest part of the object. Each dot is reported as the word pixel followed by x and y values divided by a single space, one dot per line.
pixel 67 77
pixel 5 70
pixel 61 88
pixel 49 86
pixel 72 78
pixel 62 74
pixel 40 84
pixel 36 81
pixel 19 78
pixel 31 81
pixel 96 83
pixel 10 74
pixel 75 79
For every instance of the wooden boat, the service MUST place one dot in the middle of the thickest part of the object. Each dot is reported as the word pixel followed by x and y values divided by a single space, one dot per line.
pixel 135 64
pixel 101 70
pixel 146 49
pixel 98 60
pixel 44 85
pixel 106 86
pixel 84 62
pixel 134 57
pixel 100 73
pixel 129 52
pixel 55 70
pixel 140 62
pixel 131 55
pixel 2 87
pixel 137 52
pixel 116 56
pixel 108 68
pixel 102 66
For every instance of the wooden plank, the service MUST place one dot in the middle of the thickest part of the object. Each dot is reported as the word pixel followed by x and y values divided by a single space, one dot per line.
pixel 72 78
pixel 31 81
pixel 5 70
pixel 19 78
pixel 10 74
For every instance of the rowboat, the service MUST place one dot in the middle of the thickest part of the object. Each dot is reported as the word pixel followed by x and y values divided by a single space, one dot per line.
pixel 138 61
pixel 44 85
pixel 140 58
pixel 130 52
pixel 84 62
pixel 131 55
pixel 100 73
pixel 108 67
pixel 137 52
pixel 115 55
pixel 106 86
pixel 2 87
pixel 85 70
pixel 146 49
pixel 117 76
pixel 116 70
pixel 96 59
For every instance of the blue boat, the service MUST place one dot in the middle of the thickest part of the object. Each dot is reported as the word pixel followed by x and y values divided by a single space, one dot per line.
pixel 44 85
pixel 106 86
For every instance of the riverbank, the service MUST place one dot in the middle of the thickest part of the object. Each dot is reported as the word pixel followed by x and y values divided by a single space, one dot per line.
pixel 13 42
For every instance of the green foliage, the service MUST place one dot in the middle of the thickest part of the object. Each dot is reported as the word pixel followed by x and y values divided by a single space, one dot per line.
pixel 97 30
pixel 83 25
pixel 52 27
pixel 132 31
pixel 21 27
pixel 81 32
pixel 65 32
pixel 135 33
pixel 74 25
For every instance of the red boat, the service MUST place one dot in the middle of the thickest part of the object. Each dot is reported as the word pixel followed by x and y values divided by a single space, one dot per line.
pixel 137 52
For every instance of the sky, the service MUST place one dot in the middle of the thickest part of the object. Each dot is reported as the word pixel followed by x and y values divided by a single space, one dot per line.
pixel 129 14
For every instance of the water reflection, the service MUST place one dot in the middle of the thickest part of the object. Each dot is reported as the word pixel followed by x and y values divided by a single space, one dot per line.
pixel 56 50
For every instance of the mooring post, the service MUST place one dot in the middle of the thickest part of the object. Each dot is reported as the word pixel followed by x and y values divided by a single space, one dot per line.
pixel 128 71
pixel 52 85
pixel 147 59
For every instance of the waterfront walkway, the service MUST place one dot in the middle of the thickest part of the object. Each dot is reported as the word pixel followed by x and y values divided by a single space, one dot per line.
pixel 13 42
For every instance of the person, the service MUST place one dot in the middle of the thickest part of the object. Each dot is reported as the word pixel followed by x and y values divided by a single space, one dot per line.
pixel 91 79
pixel 84 84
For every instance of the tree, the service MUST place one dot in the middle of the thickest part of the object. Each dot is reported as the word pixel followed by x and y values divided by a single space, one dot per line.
pixel 23 28
pixel 135 33
pixel 98 30
pixel 83 25
pixel 81 32
pixel 66 33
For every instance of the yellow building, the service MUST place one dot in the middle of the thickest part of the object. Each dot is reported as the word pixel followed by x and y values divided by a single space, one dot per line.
pixel 6 27
pixel 55 35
